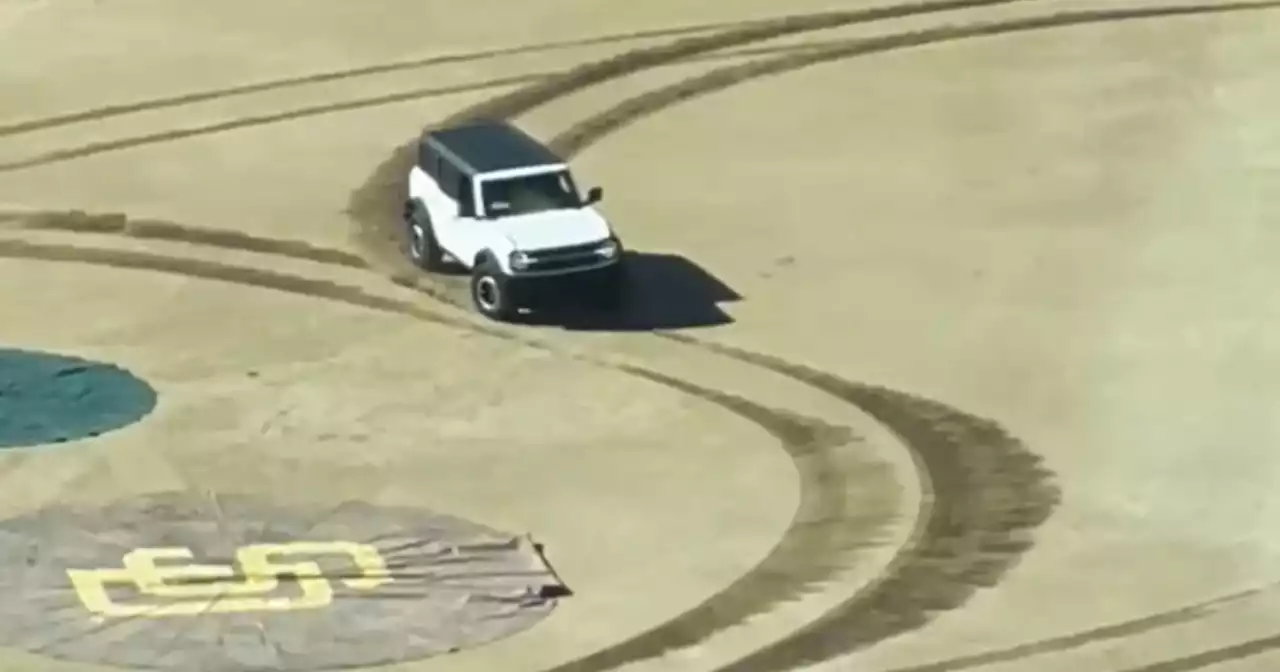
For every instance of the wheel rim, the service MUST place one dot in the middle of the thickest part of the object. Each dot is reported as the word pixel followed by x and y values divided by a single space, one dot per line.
pixel 417 242
pixel 487 293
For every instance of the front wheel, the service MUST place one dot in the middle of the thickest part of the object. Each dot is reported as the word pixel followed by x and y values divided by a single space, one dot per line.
pixel 489 293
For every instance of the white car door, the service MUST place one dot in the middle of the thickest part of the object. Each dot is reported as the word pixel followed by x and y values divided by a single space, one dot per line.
pixel 465 230
pixel 456 234
pixel 444 215
pixel 439 206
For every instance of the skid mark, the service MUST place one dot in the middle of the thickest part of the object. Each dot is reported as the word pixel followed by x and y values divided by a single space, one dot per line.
pixel 210 270
pixel 591 130
pixel 830 527
pixel 627 63
pixel 993 490
pixel 105 146
pixel 375 206
pixel 161 137
pixel 820 545
pixel 78 221
pixel 827 533
pixel 1110 632
pixel 989 493
pixel 1208 659
pixel 122 109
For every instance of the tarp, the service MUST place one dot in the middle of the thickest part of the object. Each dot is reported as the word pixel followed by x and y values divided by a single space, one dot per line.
pixel 195 582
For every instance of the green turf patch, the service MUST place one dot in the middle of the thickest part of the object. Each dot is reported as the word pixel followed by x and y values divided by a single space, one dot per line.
pixel 47 398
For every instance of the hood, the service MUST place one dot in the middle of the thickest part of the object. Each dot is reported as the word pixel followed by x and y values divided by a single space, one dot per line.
pixel 554 228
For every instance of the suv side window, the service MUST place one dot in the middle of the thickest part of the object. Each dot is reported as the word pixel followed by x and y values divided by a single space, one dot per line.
pixel 466 197
pixel 427 159
pixel 447 178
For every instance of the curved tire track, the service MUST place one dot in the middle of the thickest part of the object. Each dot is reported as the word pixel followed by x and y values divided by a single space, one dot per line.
pixel 922 420
pixel 375 205
pixel 1110 632
pixel 989 494
pixel 162 137
pixel 562 84
pixel 1208 659
pixel 989 490
pixel 121 109
pixel 589 131
pixel 79 221
pixel 627 63
pixel 834 521
pixel 105 146
pixel 797 563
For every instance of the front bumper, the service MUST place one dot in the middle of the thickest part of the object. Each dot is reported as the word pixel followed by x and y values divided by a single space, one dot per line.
pixel 541 288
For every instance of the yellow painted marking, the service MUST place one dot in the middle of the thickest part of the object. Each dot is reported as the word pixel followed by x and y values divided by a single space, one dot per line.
pixel 192 589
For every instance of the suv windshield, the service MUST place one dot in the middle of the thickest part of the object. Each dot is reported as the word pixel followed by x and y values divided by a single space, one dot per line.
pixel 532 193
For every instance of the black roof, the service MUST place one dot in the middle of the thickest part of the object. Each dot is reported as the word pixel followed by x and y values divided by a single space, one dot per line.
pixel 487 146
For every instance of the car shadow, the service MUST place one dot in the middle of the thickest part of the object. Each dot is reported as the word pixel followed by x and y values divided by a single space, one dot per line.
pixel 664 292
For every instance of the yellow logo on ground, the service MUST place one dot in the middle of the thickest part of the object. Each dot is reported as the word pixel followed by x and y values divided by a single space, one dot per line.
pixel 193 589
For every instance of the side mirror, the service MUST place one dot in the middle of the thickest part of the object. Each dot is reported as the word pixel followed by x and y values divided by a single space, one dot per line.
pixel 594 195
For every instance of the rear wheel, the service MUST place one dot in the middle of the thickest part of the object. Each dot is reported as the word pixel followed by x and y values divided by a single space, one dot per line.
pixel 489 292
pixel 424 250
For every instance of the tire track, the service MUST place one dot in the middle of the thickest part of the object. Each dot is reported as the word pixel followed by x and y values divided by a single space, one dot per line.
pixel 796 565
pixel 375 205
pixel 628 63
pixel 162 137
pixel 804 438
pixel 921 418
pixel 122 109
pixel 989 494
pixel 105 146
pixel 1207 659
pixel 564 83
pixel 242 275
pixel 989 491
pixel 835 520
pixel 993 491
pixel 591 130
pixel 79 221
pixel 1110 632
pixel 1003 462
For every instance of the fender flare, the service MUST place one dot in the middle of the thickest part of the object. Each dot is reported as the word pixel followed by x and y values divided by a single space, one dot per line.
pixel 484 256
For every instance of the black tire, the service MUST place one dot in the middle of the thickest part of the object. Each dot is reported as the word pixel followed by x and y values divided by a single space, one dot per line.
pixel 490 292
pixel 424 250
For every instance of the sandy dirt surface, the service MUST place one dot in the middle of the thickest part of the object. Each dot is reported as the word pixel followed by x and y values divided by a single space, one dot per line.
pixel 954 350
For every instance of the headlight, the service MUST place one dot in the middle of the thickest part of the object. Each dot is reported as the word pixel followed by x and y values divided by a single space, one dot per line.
pixel 609 249
pixel 519 261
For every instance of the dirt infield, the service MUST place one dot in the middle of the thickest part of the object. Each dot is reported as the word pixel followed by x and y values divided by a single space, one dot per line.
pixel 1004 224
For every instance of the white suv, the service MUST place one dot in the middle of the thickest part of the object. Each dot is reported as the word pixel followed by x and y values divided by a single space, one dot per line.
pixel 496 201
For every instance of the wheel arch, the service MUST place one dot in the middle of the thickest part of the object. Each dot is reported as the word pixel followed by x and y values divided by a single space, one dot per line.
pixel 485 257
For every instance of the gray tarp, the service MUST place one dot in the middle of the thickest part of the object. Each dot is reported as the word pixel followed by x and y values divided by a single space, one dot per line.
pixel 444 584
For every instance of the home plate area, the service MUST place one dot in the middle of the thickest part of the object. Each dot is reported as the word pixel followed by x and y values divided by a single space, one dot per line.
pixel 177 581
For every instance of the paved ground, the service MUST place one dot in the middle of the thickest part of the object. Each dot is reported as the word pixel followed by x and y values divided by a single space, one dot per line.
pixel 995 392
